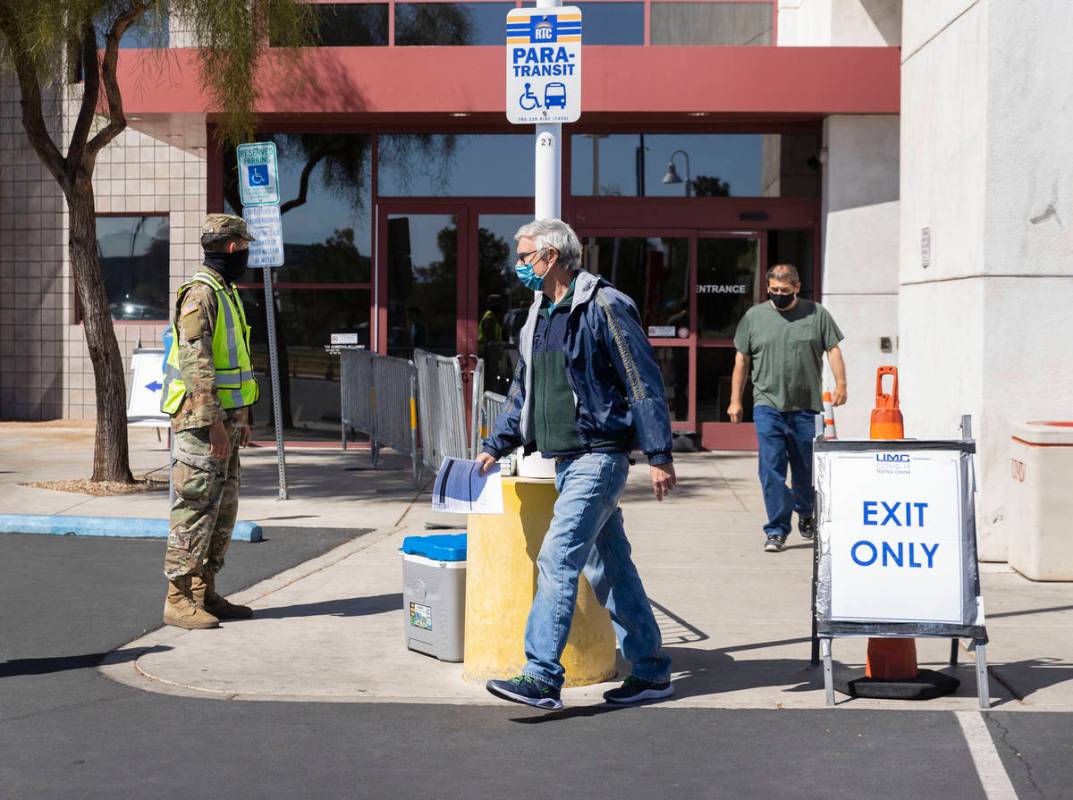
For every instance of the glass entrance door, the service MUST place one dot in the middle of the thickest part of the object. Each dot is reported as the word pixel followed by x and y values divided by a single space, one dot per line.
pixel 728 283
pixel 421 289
pixel 653 268
pixel 501 303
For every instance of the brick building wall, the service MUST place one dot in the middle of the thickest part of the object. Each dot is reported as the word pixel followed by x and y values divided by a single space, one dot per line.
pixel 45 371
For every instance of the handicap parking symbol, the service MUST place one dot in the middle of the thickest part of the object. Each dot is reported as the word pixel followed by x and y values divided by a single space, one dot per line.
pixel 257 174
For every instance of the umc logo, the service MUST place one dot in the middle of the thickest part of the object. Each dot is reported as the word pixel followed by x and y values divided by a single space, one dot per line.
pixel 885 458
pixel 543 29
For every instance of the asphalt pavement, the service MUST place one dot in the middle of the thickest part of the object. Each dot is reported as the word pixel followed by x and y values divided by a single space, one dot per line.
pixel 67 731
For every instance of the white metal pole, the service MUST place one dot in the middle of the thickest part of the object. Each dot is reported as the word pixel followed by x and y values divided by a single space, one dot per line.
pixel 547 200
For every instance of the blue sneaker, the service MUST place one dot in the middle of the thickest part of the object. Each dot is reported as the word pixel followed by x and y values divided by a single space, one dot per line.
pixel 530 691
pixel 636 690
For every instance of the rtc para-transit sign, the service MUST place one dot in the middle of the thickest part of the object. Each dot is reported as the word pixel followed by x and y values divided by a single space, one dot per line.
pixel 544 65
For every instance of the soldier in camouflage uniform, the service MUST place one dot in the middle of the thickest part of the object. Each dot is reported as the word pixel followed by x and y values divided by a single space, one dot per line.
pixel 209 406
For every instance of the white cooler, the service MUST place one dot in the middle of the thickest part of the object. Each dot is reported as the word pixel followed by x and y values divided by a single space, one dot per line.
pixel 1040 500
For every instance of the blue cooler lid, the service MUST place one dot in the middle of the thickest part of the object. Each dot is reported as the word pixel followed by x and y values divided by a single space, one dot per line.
pixel 441 547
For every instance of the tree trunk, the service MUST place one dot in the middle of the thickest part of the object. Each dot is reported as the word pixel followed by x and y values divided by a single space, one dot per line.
pixel 111 459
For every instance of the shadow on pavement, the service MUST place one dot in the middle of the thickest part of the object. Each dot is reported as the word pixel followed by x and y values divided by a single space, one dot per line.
pixel 576 712
pixel 715 672
pixel 47 666
pixel 1027 611
pixel 1025 678
pixel 329 478
pixel 344 607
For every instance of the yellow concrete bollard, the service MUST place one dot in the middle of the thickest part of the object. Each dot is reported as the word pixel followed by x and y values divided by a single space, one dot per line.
pixel 501 581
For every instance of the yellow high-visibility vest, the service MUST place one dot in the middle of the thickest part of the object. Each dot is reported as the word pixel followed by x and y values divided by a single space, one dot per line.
pixel 235 384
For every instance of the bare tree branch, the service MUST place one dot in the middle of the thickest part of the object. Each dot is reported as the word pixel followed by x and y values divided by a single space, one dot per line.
pixel 116 119
pixel 91 87
pixel 303 183
pixel 33 120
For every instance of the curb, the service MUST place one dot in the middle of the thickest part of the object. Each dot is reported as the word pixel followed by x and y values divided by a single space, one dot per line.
pixel 121 527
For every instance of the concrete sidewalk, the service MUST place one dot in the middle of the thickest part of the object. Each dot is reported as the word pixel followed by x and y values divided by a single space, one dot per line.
pixel 735 619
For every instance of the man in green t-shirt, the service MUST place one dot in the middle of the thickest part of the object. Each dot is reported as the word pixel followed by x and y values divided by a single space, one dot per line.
pixel 784 340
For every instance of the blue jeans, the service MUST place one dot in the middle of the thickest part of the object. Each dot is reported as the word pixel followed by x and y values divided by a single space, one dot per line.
pixel 785 437
pixel 586 534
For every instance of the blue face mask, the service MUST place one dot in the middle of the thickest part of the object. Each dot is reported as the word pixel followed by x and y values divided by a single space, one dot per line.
pixel 529 278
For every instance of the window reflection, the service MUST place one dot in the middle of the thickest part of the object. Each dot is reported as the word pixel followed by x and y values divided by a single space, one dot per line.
pixel 350 24
pixel 455 165
pixel 149 31
pixel 133 252
pixel 674 367
pixel 305 320
pixel 448 24
pixel 739 24
pixel 503 301
pixel 719 165
pixel 613 23
pixel 715 366
pixel 726 284
pixel 654 272
pixel 325 182
pixel 793 247
pixel 422 258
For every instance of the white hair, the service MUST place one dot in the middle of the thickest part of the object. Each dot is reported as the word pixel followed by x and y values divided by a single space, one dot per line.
pixel 557 234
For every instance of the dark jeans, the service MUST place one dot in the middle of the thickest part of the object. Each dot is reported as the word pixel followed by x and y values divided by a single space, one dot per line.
pixel 785 437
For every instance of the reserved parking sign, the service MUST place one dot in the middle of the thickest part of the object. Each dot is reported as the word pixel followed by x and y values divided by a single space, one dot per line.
pixel 258 173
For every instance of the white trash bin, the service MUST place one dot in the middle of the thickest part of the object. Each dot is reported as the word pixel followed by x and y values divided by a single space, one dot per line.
pixel 1041 477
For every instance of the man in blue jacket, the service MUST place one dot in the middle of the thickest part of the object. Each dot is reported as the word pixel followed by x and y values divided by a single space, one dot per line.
pixel 586 391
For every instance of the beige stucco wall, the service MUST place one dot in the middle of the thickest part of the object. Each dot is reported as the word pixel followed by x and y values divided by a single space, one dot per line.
pixel 987 117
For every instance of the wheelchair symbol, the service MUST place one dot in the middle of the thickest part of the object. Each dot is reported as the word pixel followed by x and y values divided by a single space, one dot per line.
pixel 258 174
pixel 529 101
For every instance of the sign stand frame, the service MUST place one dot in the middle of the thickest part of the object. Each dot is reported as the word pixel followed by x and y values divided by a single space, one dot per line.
pixel 824 634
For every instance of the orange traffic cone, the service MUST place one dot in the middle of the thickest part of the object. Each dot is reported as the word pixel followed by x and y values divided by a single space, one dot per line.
pixel 889 659
pixel 887 420
pixel 829 431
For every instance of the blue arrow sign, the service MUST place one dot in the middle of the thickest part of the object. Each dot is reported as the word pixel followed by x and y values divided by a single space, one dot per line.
pixel 155 386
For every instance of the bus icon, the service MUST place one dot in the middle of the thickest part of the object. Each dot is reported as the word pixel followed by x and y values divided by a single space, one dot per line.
pixel 555 95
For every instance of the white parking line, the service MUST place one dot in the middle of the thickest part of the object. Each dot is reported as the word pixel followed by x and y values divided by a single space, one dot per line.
pixel 996 782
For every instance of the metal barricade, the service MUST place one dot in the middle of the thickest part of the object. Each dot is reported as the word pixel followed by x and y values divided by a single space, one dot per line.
pixel 491 405
pixel 379 398
pixel 395 418
pixel 476 396
pixel 356 391
pixel 441 408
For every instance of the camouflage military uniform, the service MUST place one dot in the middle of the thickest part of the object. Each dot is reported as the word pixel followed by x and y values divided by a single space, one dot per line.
pixel 206 488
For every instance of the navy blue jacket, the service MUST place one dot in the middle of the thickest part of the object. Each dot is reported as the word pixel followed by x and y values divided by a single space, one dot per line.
pixel 617 384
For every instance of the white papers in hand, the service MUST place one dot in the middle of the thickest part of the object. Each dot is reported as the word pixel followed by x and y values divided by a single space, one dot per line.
pixel 461 488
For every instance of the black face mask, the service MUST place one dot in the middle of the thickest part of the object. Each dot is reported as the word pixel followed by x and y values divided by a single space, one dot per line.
pixel 230 265
pixel 781 301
